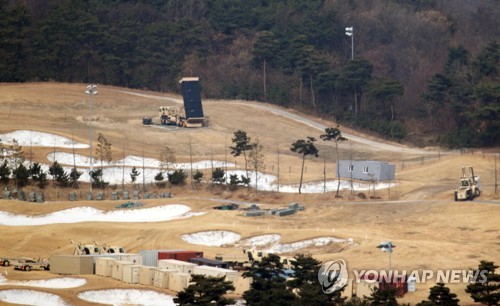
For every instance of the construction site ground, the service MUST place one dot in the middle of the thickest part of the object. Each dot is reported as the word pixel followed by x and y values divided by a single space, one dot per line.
pixel 417 214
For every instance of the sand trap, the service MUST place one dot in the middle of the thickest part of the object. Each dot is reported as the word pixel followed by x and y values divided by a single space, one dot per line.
pixel 316 242
pixel 28 138
pixel 90 214
pixel 54 283
pixel 31 297
pixel 212 238
pixel 262 240
pixel 268 242
pixel 127 297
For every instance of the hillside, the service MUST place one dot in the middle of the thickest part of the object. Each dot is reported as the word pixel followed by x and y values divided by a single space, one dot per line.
pixel 417 213
pixel 424 72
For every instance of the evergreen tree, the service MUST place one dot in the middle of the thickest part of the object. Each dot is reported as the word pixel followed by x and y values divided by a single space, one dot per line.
pixel 440 295
pixel 74 176
pixel 305 280
pixel 97 178
pixel 178 177
pixel 22 175
pixel 218 175
pixel 197 176
pixel 485 289
pixel 58 174
pixel 134 174
pixel 383 297
pixel 159 179
pixel 304 148
pixel 38 175
pixel 206 290
pixel 335 135
pixel 5 173
pixel 268 285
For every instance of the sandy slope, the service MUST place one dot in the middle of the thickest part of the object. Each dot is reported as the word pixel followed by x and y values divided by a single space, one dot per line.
pixel 429 229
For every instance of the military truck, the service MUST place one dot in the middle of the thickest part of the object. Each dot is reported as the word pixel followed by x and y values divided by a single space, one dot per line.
pixel 4 262
pixel 28 264
pixel 469 185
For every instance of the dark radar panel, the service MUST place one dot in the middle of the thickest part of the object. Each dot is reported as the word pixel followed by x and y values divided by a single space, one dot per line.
pixel 192 98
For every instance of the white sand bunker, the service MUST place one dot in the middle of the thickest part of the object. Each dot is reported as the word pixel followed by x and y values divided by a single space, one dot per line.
pixel 262 240
pixel 90 214
pixel 28 138
pixel 269 242
pixel 127 297
pixel 212 238
pixel 316 242
pixel 31 297
pixel 54 283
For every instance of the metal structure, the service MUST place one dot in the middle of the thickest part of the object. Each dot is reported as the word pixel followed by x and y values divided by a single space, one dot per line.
pixel 91 91
pixel 387 247
pixel 349 31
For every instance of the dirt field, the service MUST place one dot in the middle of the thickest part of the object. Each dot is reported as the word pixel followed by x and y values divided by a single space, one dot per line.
pixel 418 215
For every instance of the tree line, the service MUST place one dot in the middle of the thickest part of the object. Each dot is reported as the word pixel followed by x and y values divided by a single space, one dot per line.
pixel 271 286
pixel 13 166
pixel 287 52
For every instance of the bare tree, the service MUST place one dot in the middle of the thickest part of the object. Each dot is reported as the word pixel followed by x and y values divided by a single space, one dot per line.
pixel 167 158
pixel 103 152
pixel 256 158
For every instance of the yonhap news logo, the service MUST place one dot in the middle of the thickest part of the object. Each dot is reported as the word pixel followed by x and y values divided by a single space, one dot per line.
pixel 333 276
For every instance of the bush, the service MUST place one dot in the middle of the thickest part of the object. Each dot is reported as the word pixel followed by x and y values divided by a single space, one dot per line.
pixel 197 176
pixel 178 177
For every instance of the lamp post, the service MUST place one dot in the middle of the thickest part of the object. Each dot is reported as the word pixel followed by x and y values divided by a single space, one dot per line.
pixel 349 31
pixel 91 91
pixel 387 247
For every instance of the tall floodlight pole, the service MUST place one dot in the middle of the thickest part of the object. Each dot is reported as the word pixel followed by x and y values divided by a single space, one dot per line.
pixel 349 31
pixel 387 247
pixel 91 91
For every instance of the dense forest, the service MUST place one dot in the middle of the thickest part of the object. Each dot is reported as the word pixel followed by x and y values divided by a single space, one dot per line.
pixel 425 71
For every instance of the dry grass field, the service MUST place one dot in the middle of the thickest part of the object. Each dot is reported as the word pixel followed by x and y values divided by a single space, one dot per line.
pixel 418 214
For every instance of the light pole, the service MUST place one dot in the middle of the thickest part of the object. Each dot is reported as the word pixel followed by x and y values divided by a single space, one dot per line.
pixel 349 31
pixel 387 247
pixel 91 91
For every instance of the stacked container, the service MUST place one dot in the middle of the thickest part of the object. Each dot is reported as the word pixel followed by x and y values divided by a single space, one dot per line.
pixel 176 265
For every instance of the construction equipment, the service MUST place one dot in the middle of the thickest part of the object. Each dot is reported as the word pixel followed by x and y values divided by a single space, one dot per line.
pixel 249 258
pixel 28 264
pixel 469 185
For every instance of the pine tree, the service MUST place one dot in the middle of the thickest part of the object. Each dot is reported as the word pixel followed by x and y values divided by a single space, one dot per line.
pixel 440 295
pixel 305 281
pixel 134 174
pixel 22 175
pixel 5 173
pixel 206 290
pixel 268 285
pixel 486 288
pixel 58 174
pixel 304 147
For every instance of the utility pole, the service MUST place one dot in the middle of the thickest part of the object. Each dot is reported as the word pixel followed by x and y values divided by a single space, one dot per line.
pixel 91 91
